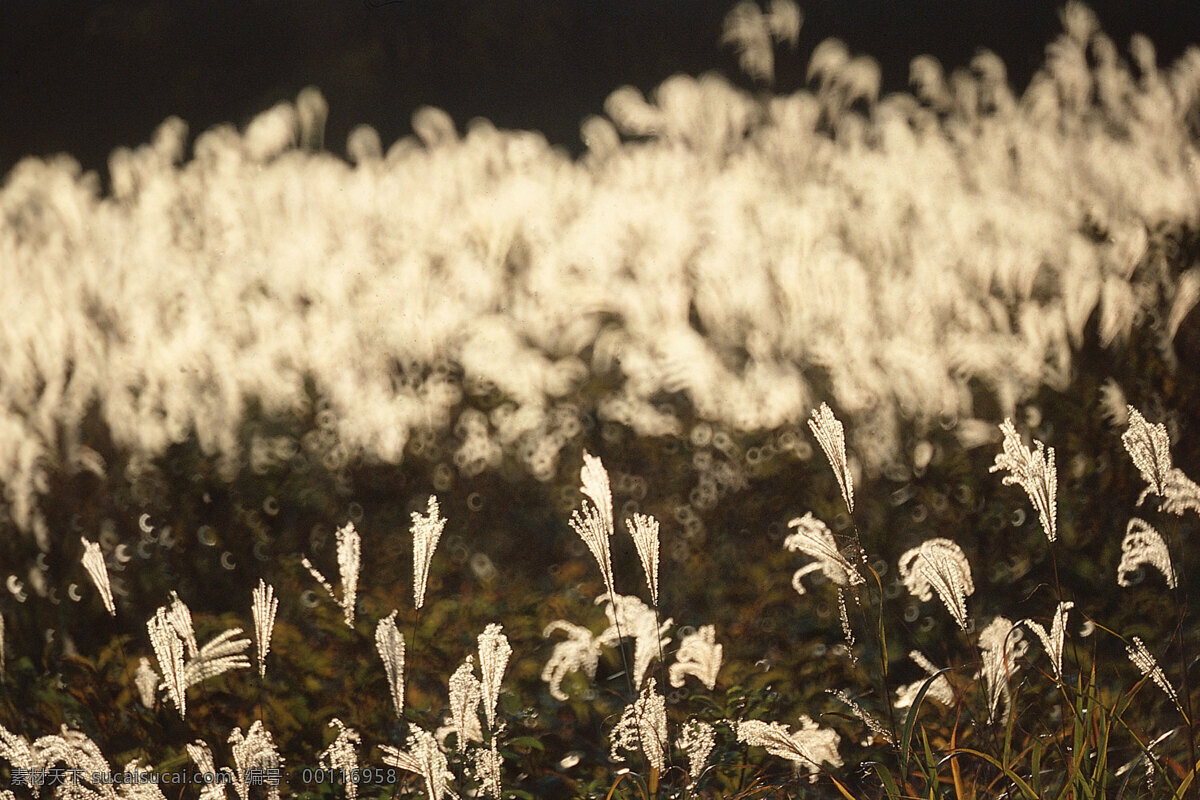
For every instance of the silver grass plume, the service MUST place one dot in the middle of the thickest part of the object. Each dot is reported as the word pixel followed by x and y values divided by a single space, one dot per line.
pixel 93 562
pixel 1141 658
pixel 254 750
pixel 168 649
pixel 700 655
pixel 1001 645
pixel 751 33
pixel 807 748
pixel 71 748
pixel 465 694
pixel 697 739
pixel 1033 471
pixel 263 609
pixel 134 791
pixel 494 652
pixel 813 538
pixel 832 438
pixel 939 689
pixel 868 719
pixel 426 531
pixel 146 680
pixel 180 618
pixel 643 726
pixel 580 650
pixel 1143 544
pixel 341 756
pixel 631 617
pixel 1149 447
pixel 939 565
pixel 202 757
pixel 595 524
pixel 488 764
pixel 424 758
pixel 390 644
pixel 1054 640
pixel 218 656
pixel 349 555
pixel 644 529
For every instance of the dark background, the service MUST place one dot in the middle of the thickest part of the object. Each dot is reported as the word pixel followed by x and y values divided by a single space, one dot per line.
pixel 85 77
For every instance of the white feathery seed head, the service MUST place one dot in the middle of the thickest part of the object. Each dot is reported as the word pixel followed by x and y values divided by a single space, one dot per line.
pixel 426 531
pixel 832 438
pixel 180 618
pixel 341 756
pixel 263 607
pixel 494 652
pixel 1149 447
pixel 488 765
pixel 630 617
pixel 1000 644
pixel 644 529
pixel 697 739
pixel 1144 661
pixel 253 750
pixel 93 562
pixel 939 565
pixel 595 523
pixel 390 644
pixel 423 757
pixel 169 649
pixel 939 690
pixel 699 654
pixel 579 651
pixel 1034 471
pixel 807 748
pixel 146 680
pixel 202 757
pixel 1143 544
pixel 813 538
pixel 1054 640
pixel 219 655
pixel 643 726
pixel 465 695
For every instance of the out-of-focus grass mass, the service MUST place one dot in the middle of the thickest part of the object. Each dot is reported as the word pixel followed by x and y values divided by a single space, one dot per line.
pixel 249 359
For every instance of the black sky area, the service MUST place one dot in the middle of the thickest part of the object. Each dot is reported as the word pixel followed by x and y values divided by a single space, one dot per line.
pixel 85 77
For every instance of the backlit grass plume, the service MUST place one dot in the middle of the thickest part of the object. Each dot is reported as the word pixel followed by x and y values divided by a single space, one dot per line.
pixel 93 562
pixel 1000 645
pixel 1143 544
pixel 832 438
pixel 1054 640
pixel 424 758
pixel 349 554
pixel 594 523
pixel 699 654
pixel 341 756
pixel 494 652
pixel 1033 471
pixel 813 538
pixel 1141 657
pixel 390 644
pixel 643 727
pixel 263 608
pixel 644 530
pixel 939 565
pixel 1150 448
pixel 426 531
pixel 808 747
